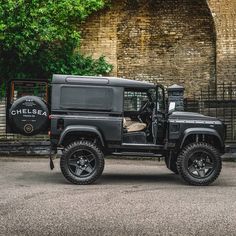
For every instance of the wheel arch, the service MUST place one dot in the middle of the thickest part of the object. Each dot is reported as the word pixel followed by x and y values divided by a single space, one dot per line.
pixel 75 132
pixel 207 135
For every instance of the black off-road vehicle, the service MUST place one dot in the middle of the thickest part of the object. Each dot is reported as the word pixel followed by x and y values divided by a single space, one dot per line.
pixel 92 117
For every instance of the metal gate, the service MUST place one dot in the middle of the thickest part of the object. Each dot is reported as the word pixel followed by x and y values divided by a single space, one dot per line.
pixel 220 102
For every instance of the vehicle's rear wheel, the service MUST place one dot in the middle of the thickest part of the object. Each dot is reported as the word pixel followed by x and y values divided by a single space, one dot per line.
pixel 82 162
pixel 199 164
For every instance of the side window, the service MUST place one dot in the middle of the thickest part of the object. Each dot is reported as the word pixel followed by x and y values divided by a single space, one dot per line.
pixel 133 100
pixel 86 98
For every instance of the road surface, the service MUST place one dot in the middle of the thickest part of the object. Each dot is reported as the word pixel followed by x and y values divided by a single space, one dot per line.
pixel 131 198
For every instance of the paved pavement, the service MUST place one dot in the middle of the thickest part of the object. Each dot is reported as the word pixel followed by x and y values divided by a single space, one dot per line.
pixel 132 198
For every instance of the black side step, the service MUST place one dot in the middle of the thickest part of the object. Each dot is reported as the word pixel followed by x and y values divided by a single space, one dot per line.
pixel 141 146
pixel 140 154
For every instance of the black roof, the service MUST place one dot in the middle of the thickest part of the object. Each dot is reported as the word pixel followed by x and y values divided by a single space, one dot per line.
pixel 97 80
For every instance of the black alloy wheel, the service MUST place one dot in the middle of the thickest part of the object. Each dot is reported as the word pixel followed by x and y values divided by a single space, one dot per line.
pixel 200 164
pixel 82 163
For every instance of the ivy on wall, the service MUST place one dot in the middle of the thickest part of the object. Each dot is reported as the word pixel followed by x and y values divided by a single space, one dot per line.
pixel 39 38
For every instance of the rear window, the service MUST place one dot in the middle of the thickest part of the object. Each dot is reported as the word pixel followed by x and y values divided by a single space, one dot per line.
pixel 86 98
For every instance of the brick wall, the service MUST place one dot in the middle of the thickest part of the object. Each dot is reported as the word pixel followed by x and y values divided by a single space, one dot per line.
pixel 167 41
pixel 224 14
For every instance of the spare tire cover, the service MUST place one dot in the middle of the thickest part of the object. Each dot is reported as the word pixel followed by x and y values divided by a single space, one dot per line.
pixel 28 115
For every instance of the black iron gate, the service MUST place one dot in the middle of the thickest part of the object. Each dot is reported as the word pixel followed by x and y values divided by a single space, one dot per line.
pixel 219 102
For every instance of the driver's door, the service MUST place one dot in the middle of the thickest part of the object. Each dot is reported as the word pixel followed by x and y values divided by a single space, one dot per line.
pixel 159 119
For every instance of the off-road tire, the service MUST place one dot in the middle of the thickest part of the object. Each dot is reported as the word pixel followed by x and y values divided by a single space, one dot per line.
pixel 76 146
pixel 199 147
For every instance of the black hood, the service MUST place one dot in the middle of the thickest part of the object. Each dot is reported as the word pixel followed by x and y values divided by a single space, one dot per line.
pixel 191 116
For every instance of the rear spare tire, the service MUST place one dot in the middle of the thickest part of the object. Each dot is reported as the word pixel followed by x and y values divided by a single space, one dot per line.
pixel 28 115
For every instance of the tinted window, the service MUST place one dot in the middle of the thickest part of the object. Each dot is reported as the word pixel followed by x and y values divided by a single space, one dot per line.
pixel 86 98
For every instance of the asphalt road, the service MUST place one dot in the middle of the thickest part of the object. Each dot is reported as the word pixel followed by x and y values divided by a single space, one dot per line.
pixel 131 198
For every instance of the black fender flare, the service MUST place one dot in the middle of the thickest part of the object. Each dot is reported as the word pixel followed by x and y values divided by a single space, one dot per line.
pixel 82 129
pixel 207 131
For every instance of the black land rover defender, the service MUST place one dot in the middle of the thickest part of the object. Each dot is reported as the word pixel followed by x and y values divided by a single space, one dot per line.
pixel 92 117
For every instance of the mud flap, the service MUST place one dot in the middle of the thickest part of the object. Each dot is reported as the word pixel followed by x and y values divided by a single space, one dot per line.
pixel 51 160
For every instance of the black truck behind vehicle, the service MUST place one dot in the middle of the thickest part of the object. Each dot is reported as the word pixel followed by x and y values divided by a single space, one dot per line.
pixel 92 117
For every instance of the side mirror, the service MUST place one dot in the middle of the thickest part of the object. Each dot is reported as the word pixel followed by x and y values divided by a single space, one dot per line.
pixel 171 107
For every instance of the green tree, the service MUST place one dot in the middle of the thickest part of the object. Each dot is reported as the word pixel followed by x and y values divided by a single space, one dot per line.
pixel 38 38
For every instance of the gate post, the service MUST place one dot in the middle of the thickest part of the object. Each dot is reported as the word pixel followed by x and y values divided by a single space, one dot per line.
pixel 176 95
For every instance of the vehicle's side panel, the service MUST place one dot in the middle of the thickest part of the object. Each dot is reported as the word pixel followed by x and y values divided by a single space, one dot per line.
pixel 109 127
pixel 108 121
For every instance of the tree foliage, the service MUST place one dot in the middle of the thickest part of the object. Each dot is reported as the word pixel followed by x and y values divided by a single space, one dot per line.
pixel 38 38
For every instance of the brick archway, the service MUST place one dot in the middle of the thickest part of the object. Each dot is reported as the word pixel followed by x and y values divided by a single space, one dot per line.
pixel 168 41
pixel 224 15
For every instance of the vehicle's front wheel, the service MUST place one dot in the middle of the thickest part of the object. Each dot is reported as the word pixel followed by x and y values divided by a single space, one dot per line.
pixel 82 162
pixel 199 164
